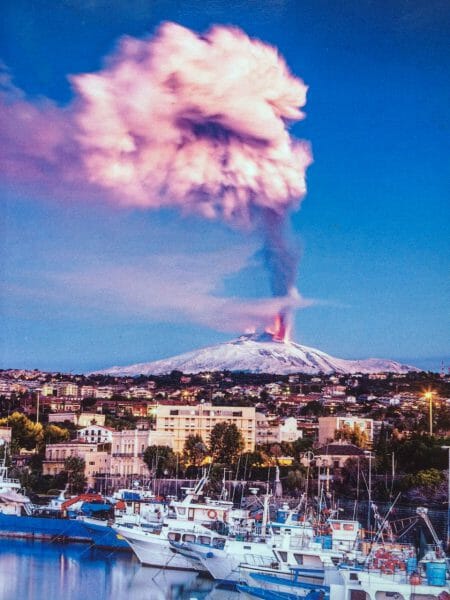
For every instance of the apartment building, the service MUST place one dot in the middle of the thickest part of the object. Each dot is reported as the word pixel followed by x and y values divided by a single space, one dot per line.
pixel 127 450
pixel 180 421
pixel 96 461
pixel 97 434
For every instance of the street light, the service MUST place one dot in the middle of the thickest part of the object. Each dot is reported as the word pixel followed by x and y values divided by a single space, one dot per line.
pixel 448 496
pixel 429 397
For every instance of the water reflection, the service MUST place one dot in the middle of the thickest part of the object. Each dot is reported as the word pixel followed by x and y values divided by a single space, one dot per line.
pixel 44 571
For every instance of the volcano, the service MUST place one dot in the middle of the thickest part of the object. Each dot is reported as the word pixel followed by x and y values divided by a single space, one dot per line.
pixel 259 353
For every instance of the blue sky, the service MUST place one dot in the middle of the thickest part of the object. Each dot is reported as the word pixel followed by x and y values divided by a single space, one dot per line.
pixel 88 286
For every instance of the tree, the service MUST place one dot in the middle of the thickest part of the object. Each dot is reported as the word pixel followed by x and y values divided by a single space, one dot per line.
pixel 313 408
pixel 25 433
pixel 160 460
pixel 301 445
pixel 420 452
pixel 428 485
pixel 74 466
pixel 54 434
pixel 425 478
pixel 252 459
pixel 88 402
pixel 294 481
pixel 195 450
pixel 355 435
pixel 225 443
pixel 274 454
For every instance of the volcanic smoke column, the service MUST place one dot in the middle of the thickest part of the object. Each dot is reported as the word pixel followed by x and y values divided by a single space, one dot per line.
pixel 200 122
pixel 195 122
pixel 282 262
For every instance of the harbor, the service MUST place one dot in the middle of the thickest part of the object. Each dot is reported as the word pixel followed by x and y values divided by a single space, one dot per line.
pixel 199 546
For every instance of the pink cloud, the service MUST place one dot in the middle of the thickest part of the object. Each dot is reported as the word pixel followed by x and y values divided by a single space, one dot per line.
pixel 195 122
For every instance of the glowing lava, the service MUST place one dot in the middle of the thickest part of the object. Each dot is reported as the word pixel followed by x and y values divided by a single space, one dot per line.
pixel 280 329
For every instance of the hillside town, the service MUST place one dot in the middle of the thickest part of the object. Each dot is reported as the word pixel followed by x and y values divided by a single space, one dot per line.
pixel 101 432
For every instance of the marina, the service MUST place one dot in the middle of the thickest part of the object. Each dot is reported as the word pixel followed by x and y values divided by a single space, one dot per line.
pixel 199 544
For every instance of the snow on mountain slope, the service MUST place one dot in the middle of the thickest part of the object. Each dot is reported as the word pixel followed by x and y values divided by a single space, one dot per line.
pixel 259 354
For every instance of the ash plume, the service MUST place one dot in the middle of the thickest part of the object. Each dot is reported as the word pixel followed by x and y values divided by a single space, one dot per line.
pixel 195 122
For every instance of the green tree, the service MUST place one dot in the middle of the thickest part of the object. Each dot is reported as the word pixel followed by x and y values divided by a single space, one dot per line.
pixel 160 460
pixel 302 445
pixel 195 450
pixel 425 478
pixel 74 467
pixel 419 452
pixel 54 434
pixel 248 462
pixel 313 408
pixel 225 443
pixel 294 481
pixel 88 402
pixel 24 432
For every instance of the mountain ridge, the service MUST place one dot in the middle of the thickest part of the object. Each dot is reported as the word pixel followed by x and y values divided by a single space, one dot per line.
pixel 258 353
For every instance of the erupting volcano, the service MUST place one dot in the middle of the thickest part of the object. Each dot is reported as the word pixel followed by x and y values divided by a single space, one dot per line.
pixel 259 353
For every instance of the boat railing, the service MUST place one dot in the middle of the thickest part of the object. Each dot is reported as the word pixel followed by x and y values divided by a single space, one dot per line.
pixel 9 481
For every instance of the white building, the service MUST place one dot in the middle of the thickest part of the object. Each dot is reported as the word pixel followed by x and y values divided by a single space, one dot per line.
pixel 289 431
pixel 96 434
pixel 270 429
pixel 127 450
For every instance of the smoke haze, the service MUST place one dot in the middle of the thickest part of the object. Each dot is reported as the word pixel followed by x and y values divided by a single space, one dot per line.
pixel 179 120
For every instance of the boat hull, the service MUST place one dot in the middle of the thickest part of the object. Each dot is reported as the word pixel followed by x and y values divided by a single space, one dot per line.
pixel 42 528
pixel 153 550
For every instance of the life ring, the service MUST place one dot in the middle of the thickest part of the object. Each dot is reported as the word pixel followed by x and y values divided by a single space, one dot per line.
pixel 212 514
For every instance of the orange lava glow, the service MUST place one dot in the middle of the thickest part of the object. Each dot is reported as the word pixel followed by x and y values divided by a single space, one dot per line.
pixel 280 330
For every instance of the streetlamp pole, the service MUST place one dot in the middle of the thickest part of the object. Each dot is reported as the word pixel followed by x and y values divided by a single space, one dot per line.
pixel 431 415
pixel 429 396
pixel 369 454
pixel 448 496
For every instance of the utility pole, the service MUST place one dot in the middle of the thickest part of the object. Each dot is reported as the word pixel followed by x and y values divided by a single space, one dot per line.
pixel 448 497
pixel 37 406
pixel 369 453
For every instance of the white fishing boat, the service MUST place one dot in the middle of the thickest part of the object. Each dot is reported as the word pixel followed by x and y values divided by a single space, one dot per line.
pixel 12 499
pixel 280 545
pixel 152 545
pixel 389 570
pixel 429 582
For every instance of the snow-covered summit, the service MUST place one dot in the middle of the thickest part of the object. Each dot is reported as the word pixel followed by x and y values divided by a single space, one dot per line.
pixel 259 354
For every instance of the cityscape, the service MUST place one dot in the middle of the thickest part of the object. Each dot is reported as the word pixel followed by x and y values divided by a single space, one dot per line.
pixel 224 362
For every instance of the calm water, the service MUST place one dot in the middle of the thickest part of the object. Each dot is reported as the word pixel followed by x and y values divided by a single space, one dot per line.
pixel 45 571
